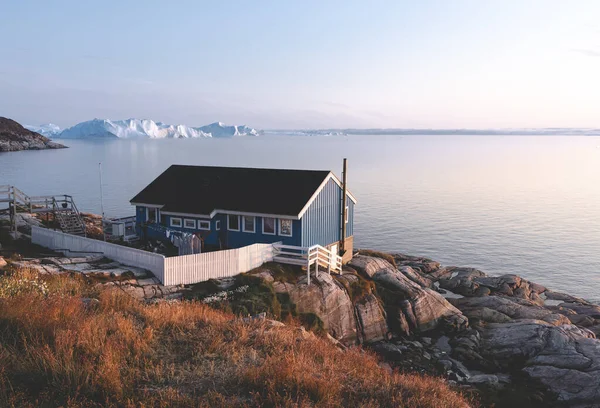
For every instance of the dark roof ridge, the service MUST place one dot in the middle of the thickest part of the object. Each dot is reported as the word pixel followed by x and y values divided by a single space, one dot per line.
pixel 247 168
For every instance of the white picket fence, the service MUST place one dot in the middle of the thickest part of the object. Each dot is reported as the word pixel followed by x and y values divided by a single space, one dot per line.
pixel 177 270
pixel 188 269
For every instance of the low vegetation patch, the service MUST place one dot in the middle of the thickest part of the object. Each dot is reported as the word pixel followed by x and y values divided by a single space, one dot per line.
pixel 378 254
pixel 358 287
pixel 57 350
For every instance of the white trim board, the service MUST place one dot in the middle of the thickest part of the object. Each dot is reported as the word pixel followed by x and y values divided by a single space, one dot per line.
pixel 348 193
pixel 186 214
pixel 331 176
pixel 148 205
pixel 252 214
pixel 227 212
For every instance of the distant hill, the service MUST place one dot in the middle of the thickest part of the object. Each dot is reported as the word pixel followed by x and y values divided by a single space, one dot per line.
pixel 15 137
pixel 141 128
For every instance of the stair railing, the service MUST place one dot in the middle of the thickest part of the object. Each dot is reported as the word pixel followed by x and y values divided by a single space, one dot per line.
pixel 314 255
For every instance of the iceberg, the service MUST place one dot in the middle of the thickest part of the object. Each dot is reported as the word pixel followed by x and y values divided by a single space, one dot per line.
pixel 146 128
pixel 49 129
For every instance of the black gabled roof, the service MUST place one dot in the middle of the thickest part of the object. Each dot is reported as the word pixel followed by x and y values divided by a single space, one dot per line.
pixel 202 189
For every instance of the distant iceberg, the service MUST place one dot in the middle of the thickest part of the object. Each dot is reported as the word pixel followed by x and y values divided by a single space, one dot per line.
pixel 49 129
pixel 141 128
pixel 307 132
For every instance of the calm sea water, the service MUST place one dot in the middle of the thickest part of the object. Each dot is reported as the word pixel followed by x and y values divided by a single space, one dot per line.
pixel 504 204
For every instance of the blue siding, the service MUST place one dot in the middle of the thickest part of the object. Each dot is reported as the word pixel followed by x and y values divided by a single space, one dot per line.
pixel 236 239
pixel 229 239
pixel 350 225
pixel 321 222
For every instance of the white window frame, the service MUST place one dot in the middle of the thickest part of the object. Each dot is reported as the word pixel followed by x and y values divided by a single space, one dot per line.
pixel 229 226
pixel 156 219
pixel 346 213
pixel 253 230
pixel 218 225
pixel 200 222
pixel 185 222
pixel 291 227
pixel 274 226
pixel 173 219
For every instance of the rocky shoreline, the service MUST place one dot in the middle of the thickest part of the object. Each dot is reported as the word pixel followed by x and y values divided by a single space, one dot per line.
pixel 14 137
pixel 505 339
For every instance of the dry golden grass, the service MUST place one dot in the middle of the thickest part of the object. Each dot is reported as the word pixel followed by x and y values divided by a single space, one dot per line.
pixel 55 351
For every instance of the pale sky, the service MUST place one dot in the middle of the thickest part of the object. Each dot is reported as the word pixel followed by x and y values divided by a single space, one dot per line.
pixel 303 64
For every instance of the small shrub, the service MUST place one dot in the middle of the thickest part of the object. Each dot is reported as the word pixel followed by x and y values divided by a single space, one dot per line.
pixel 280 272
pixel 378 254
pixel 313 323
pixel 22 282
pixel 249 295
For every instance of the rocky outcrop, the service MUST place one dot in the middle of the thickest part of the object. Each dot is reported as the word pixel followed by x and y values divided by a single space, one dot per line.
pixel 15 137
pixel 327 299
pixel 566 358
pixel 371 320
pixel 494 309
pixel 524 330
pixel 410 307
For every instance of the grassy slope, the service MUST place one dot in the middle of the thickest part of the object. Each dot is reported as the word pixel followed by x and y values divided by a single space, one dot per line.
pixel 54 350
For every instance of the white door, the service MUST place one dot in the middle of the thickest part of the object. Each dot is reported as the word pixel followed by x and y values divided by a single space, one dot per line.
pixel 334 251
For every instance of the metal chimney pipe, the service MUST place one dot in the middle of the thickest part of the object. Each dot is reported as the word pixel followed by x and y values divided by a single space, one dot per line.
pixel 344 215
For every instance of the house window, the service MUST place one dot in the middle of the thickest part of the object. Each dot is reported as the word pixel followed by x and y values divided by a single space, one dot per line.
pixel 346 220
pixel 175 222
pixel 204 225
pixel 249 224
pixel 233 222
pixel 151 215
pixel 189 223
pixel 268 226
pixel 285 228
pixel 218 225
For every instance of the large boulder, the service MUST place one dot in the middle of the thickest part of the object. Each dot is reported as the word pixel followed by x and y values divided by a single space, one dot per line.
pixel 371 320
pixel 566 359
pixel 410 307
pixel 370 265
pixel 327 299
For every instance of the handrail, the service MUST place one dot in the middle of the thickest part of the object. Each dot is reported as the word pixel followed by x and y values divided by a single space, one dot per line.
pixel 314 255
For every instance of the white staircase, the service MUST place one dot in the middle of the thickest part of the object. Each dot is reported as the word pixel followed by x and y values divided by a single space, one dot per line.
pixel 308 256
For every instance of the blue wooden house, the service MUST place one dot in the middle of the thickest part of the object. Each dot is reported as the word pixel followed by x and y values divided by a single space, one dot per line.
pixel 230 207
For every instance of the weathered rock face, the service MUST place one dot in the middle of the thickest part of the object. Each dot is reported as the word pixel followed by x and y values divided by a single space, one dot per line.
pixel 494 309
pixel 410 306
pixel 371 320
pixel 15 137
pixel 564 358
pixel 327 299
pixel 524 328
pixel 473 282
